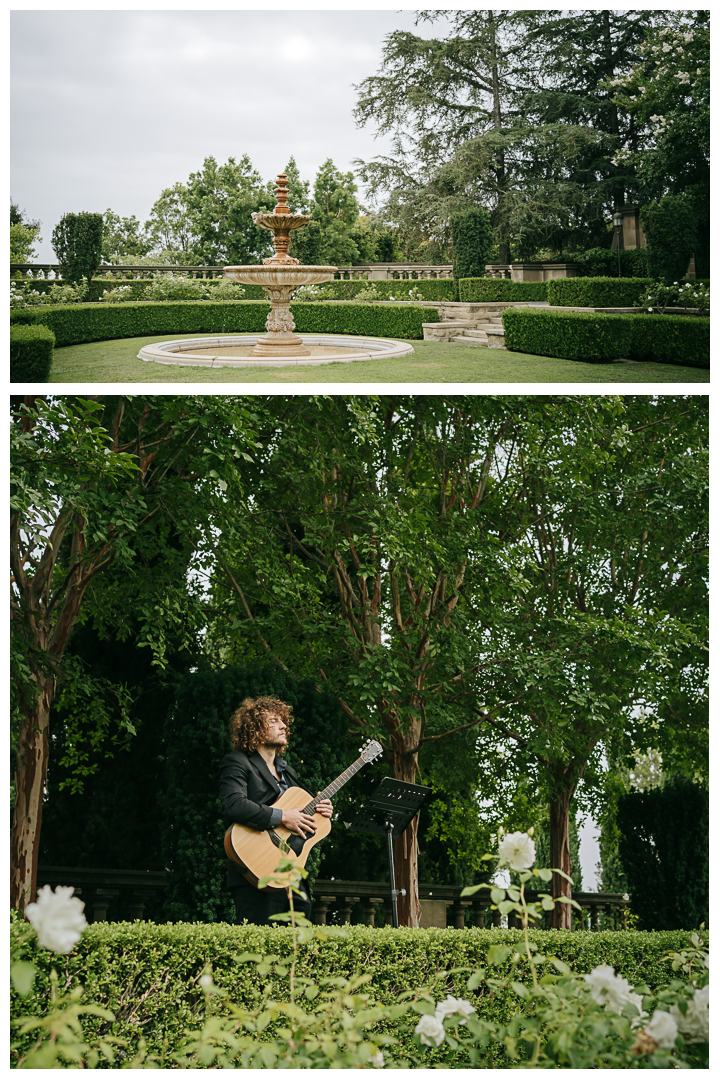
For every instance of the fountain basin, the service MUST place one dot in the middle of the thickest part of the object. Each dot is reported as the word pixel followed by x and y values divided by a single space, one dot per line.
pixel 280 275
pixel 236 350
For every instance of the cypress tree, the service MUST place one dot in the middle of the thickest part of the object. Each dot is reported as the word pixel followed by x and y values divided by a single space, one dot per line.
pixel 77 243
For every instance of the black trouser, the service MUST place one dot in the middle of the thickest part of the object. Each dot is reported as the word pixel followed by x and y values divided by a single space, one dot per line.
pixel 257 906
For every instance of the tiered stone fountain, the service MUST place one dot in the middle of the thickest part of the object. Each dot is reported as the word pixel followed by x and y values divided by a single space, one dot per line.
pixel 279 277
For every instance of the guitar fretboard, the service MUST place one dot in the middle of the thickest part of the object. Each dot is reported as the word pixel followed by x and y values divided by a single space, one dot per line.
pixel 330 790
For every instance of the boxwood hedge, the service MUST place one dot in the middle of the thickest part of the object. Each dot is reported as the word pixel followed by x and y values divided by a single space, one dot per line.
pixel 596 291
pixel 579 335
pixel 75 324
pixel 487 290
pixel 31 353
pixel 148 974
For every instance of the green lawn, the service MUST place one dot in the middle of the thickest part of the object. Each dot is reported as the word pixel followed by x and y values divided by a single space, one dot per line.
pixel 433 362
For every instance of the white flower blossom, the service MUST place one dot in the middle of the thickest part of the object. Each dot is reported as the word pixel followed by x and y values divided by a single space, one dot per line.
pixel 689 37
pixel 205 981
pixel 666 48
pixel 683 76
pixel 608 989
pixel 695 1025
pixel 430 1030
pixel 57 918
pixel 663 1029
pixel 517 850
pixel 377 1060
pixel 453 1005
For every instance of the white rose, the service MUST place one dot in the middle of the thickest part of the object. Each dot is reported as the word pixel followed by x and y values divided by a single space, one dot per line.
pixel 205 981
pixel 695 1025
pixel 58 918
pixel 607 988
pixel 453 1005
pixel 517 850
pixel 663 1029
pixel 430 1030
pixel 377 1060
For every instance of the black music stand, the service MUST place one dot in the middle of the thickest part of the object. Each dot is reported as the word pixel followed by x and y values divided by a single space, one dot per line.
pixel 390 809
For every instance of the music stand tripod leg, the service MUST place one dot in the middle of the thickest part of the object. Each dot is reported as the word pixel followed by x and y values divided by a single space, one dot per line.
pixel 391 861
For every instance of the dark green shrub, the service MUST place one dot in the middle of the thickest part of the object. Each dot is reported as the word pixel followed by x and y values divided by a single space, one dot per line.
pixel 670 227
pixel 664 849
pixel 487 290
pixel 472 242
pixel 77 243
pixel 196 739
pixel 596 292
pixel 31 353
pixel 148 974
pixel 76 324
pixel 602 262
pixel 579 335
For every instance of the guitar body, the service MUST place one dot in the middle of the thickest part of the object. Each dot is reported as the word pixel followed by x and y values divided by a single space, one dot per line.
pixel 258 853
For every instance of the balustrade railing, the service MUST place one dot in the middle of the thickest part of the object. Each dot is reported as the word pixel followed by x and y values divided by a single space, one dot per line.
pixel 138 894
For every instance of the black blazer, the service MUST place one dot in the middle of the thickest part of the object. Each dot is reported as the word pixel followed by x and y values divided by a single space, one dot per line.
pixel 247 791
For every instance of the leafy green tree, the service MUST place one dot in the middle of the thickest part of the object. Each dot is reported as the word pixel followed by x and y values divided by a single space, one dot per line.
pixel 77 243
pixel 97 485
pixel 472 242
pixel 124 239
pixel 334 211
pixel 170 227
pixel 24 234
pixel 220 202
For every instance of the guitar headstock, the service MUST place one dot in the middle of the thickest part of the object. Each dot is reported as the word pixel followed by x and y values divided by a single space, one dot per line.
pixel 370 750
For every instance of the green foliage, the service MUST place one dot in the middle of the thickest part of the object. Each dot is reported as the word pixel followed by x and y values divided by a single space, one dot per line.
pixel 472 242
pixel 124 239
pixel 149 975
pixel 22 243
pixel 83 322
pixel 31 353
pixel 486 290
pixel 596 292
pixel 691 294
pixel 77 243
pixel 670 226
pixel 54 292
pixel 196 740
pixel 664 848
pixel 602 262
pixel 328 240
pixel 579 335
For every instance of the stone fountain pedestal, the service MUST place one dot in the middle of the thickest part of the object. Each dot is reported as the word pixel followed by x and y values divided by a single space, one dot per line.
pixel 279 277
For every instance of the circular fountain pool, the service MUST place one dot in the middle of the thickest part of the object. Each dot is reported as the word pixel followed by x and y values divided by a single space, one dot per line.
pixel 235 350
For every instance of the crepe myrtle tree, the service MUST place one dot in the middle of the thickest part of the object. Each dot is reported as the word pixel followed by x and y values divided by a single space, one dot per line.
pixel 410 553
pixel 89 478
pixel 601 647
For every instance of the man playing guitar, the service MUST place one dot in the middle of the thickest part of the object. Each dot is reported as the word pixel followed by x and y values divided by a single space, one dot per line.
pixel 253 777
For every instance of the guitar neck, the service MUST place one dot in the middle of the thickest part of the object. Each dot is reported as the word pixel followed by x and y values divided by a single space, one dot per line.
pixel 331 789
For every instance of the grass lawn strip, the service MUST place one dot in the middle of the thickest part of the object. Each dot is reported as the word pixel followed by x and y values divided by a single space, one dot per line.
pixel 433 362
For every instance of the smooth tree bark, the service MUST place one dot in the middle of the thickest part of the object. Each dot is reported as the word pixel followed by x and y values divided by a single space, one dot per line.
pixel 88 477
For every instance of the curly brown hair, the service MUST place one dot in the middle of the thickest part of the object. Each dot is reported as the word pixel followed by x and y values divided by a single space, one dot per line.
pixel 247 724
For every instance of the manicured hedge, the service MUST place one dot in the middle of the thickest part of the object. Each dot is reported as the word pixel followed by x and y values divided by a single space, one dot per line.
pixel 75 324
pixel 31 353
pixel 147 974
pixel 579 335
pixel 597 291
pixel 486 290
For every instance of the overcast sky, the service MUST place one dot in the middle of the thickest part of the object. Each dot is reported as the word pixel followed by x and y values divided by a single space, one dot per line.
pixel 110 107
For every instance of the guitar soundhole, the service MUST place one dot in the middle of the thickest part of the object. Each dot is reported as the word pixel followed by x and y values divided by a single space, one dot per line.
pixel 296 843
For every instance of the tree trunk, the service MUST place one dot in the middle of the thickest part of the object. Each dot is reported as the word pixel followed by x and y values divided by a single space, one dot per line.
pixel 560 858
pixel 406 851
pixel 30 776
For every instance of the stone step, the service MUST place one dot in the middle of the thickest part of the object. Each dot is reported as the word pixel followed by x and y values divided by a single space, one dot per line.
pixel 466 339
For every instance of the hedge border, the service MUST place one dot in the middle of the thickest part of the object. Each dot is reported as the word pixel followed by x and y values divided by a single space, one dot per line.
pixel 31 353
pixel 118 963
pixel 488 290
pixel 597 291
pixel 77 324
pixel 683 340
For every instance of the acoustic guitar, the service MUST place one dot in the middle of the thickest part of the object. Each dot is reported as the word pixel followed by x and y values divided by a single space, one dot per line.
pixel 258 853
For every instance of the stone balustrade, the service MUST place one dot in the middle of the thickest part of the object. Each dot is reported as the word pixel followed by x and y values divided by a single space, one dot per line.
pixel 365 271
pixel 138 894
